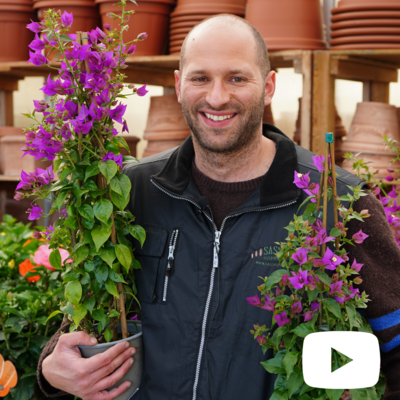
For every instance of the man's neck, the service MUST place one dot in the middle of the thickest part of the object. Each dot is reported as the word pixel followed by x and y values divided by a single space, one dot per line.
pixel 244 165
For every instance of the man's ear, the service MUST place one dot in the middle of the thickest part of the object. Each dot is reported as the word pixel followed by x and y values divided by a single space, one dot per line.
pixel 177 74
pixel 270 85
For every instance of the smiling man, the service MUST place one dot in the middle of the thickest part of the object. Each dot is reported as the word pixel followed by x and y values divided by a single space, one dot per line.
pixel 213 210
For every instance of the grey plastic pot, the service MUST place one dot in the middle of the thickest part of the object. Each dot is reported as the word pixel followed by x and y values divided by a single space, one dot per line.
pixel 134 374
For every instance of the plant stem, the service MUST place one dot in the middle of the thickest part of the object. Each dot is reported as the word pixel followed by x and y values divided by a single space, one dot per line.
pixel 29 336
pixel 5 333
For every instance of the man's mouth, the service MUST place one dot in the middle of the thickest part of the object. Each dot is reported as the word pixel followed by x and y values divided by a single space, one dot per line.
pixel 217 118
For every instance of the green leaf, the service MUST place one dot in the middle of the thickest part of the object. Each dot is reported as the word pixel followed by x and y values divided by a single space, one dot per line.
pixel 113 313
pixel 351 313
pixel 102 210
pixel 65 38
pixel 53 314
pixel 312 294
pixel 101 273
pixel 119 200
pixel 138 233
pixel 280 395
pixel 99 315
pixel 108 168
pixel 124 255
pixel 80 313
pixel 55 259
pixel 89 303
pixel 92 170
pixel 73 292
pixel 108 255
pixel 279 332
pixel 303 330
pixel 108 335
pixel 289 361
pixel 89 266
pixel 323 277
pixel 335 232
pixel 59 201
pixel 87 212
pixel 333 306
pixel 305 388
pixel 295 381
pixel 358 394
pixel 275 277
pixel 68 309
pixel 70 223
pixel 334 394
pixel 116 277
pixel 289 340
pixel 80 255
pixel 274 365
pixel 111 288
pixel 372 395
pixel 87 223
pixel 100 235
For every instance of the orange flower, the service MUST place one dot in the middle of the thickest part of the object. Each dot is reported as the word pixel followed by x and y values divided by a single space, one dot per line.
pixel 27 242
pixel 26 266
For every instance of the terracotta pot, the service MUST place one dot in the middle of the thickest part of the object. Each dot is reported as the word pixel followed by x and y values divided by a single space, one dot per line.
pixel 288 24
pixel 132 142
pixel 14 16
pixel 366 31
pixel 378 6
pixel 177 36
pixel 365 15
pixel 371 122
pixel 187 18
pixel 366 3
pixel 150 16
pixel 178 31
pixel 367 46
pixel 214 8
pixel 206 3
pixel 366 39
pixel 86 16
pixel 353 23
pixel 166 127
pixel 176 43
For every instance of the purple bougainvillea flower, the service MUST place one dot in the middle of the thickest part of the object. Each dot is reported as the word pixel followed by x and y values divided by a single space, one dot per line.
pixel 37 58
pixel 261 340
pixel 311 242
pixel 67 19
pixel 269 303
pixel 254 301
pixel 34 27
pixel 35 212
pixel 300 256
pixel 299 280
pixel 112 156
pixel 48 232
pixel 356 266
pixel 142 90
pixel 308 315
pixel 282 319
pixel 331 260
pixel 18 196
pixel 314 306
pixel 339 299
pixel 107 27
pixel 301 180
pixel 125 127
pixel 336 287
pixel 131 49
pixel 376 190
pixel 359 237
pixel 40 105
pixel 322 237
pixel 319 162
pixel 393 193
pixel 37 44
pixel 135 317
pixel 81 127
pixel 142 36
pixel 297 307
pixel 318 225
pixel 389 178
pixel 312 282
pixel 117 113
pixel 313 190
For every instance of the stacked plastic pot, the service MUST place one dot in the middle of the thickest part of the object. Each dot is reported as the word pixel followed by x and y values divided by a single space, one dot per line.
pixel 288 24
pixel 366 24
pixel 188 13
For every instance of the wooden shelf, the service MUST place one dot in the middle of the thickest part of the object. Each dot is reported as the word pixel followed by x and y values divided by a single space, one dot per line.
pixel 8 178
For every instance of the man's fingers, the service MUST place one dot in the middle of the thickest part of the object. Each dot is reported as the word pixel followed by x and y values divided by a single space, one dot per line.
pixel 110 380
pixel 108 395
pixel 103 359
pixel 110 368
pixel 74 338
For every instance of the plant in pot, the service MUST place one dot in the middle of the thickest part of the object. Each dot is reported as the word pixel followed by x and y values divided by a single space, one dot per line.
pixel 78 133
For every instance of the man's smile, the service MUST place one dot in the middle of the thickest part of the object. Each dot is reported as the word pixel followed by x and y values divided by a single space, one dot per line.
pixel 217 120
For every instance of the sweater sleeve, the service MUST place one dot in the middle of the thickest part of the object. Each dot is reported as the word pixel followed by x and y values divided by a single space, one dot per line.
pixel 45 386
pixel 380 255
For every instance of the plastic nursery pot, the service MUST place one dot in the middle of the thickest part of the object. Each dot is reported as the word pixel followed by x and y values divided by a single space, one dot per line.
pixel 14 16
pixel 288 24
pixel 134 374
pixel 150 16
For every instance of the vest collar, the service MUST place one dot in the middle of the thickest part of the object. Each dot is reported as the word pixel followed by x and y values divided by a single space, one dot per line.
pixel 276 188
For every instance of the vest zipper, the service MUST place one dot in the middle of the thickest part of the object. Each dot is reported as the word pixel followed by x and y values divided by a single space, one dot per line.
pixel 170 267
pixel 217 242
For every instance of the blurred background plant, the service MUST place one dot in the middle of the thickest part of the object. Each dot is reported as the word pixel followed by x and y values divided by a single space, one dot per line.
pixel 29 292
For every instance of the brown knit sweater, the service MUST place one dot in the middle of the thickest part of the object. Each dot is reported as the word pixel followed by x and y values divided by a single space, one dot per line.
pixel 379 253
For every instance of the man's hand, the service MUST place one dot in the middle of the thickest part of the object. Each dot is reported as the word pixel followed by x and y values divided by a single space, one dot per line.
pixel 87 378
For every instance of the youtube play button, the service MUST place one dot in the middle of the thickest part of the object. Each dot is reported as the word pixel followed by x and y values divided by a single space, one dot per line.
pixel 360 350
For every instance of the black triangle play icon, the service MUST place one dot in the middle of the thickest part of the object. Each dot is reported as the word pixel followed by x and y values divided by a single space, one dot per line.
pixel 338 359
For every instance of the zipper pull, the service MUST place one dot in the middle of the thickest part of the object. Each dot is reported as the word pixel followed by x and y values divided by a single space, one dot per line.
pixel 216 248
pixel 170 266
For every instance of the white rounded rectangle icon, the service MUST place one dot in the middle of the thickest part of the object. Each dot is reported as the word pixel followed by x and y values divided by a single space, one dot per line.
pixel 361 372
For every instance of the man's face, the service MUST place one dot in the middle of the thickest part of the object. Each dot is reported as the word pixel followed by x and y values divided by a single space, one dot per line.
pixel 222 90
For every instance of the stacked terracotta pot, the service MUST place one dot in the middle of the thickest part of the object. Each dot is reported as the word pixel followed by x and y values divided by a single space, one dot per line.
pixel 366 24
pixel 166 126
pixel 372 121
pixel 188 13
pixel 151 16
pixel 288 24
pixel 15 38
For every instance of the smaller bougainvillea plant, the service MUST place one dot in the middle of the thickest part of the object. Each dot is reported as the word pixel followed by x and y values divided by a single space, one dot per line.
pixel 78 133
pixel 315 290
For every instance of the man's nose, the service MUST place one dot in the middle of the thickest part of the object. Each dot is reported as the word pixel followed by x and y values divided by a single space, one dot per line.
pixel 218 95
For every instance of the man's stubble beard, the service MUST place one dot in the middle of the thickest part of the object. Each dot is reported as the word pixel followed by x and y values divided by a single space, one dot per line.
pixel 240 138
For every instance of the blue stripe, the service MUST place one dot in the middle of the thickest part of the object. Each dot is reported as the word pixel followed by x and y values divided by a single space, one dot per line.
pixel 385 322
pixel 391 345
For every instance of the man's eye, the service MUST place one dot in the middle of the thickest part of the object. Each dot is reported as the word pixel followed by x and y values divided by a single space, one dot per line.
pixel 237 79
pixel 200 79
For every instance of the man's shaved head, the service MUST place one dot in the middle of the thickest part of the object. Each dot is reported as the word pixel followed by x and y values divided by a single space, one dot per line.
pixel 229 20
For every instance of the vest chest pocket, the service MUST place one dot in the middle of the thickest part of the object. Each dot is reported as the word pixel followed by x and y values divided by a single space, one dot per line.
pixel 150 257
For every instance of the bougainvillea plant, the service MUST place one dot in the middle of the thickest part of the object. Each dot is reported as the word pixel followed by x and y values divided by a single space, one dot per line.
pixel 78 133
pixel 315 290
pixel 386 192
